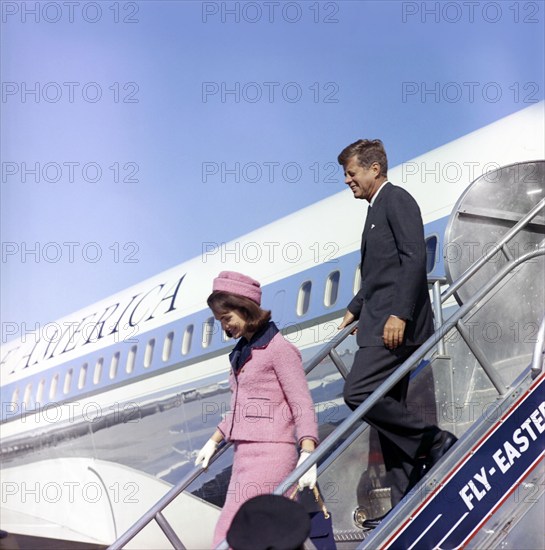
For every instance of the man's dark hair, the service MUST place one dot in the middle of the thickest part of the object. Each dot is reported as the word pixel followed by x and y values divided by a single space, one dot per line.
pixel 367 151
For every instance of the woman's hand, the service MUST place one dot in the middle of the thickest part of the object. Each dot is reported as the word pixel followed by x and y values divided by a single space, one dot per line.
pixel 206 453
pixel 308 479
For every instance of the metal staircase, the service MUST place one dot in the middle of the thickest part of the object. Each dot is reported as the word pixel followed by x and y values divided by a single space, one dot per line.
pixel 480 376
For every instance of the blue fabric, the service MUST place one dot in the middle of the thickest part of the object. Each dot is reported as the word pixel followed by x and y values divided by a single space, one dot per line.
pixel 242 352
pixel 321 531
pixel 321 528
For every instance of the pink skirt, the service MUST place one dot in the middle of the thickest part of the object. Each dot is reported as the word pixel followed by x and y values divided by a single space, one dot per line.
pixel 258 469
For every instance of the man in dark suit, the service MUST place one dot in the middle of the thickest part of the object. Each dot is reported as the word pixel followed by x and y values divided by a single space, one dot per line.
pixel 394 316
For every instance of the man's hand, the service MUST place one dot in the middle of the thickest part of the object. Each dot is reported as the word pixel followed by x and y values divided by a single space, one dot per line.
pixel 347 320
pixel 394 329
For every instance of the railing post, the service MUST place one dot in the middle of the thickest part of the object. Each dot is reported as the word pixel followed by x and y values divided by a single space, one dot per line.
pixel 339 363
pixel 539 351
pixel 483 361
pixel 438 315
pixel 169 532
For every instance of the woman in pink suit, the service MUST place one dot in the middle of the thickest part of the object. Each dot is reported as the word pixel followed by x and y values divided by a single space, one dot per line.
pixel 271 408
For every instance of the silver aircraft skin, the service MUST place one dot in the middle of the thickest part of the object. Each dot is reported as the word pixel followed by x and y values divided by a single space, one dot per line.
pixel 103 410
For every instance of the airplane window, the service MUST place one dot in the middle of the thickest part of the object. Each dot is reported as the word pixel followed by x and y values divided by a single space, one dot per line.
pixel 207 332
pixel 167 346
pixel 303 298
pixel 40 391
pixel 186 342
pixel 431 251
pixel 131 359
pixel 332 288
pixel 114 363
pixel 26 398
pixel 148 354
pixel 53 388
pixel 357 280
pixel 82 376
pixel 68 381
pixel 98 371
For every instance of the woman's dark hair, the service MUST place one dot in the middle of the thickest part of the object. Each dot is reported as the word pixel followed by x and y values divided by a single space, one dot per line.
pixel 221 302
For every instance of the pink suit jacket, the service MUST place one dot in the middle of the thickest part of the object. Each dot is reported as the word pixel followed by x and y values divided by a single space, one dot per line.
pixel 270 399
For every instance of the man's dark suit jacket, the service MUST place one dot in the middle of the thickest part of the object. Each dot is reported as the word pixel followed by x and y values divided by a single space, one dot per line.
pixel 393 270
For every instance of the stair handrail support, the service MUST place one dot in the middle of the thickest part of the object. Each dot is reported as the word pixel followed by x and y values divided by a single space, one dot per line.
pixel 473 268
pixel 396 376
pixel 538 357
pixel 180 487
pixel 359 412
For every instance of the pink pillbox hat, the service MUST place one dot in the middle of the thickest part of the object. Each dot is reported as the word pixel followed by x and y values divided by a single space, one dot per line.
pixel 237 283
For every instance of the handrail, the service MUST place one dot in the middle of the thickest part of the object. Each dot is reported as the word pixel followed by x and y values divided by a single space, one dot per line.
pixel 182 485
pixel 328 347
pixel 438 314
pixel 539 351
pixel 441 279
pixel 155 511
pixel 470 271
pixel 162 503
pixel 403 369
pixel 394 378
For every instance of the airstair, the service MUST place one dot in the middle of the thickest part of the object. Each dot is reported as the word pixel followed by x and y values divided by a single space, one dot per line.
pixel 479 376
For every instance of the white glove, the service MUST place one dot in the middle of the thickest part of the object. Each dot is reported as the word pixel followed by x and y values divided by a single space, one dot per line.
pixel 309 478
pixel 205 454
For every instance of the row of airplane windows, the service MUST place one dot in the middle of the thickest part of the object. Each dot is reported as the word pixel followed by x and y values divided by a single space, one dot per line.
pixel 302 305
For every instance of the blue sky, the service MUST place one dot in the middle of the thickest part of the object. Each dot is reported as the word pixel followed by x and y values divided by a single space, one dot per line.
pixel 141 116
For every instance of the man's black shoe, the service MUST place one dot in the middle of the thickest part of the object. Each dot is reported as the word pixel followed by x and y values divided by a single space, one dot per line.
pixel 374 522
pixel 441 447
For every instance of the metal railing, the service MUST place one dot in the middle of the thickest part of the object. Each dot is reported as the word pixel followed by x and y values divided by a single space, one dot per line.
pixel 501 245
pixel 155 512
pixel 327 445
pixel 538 358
